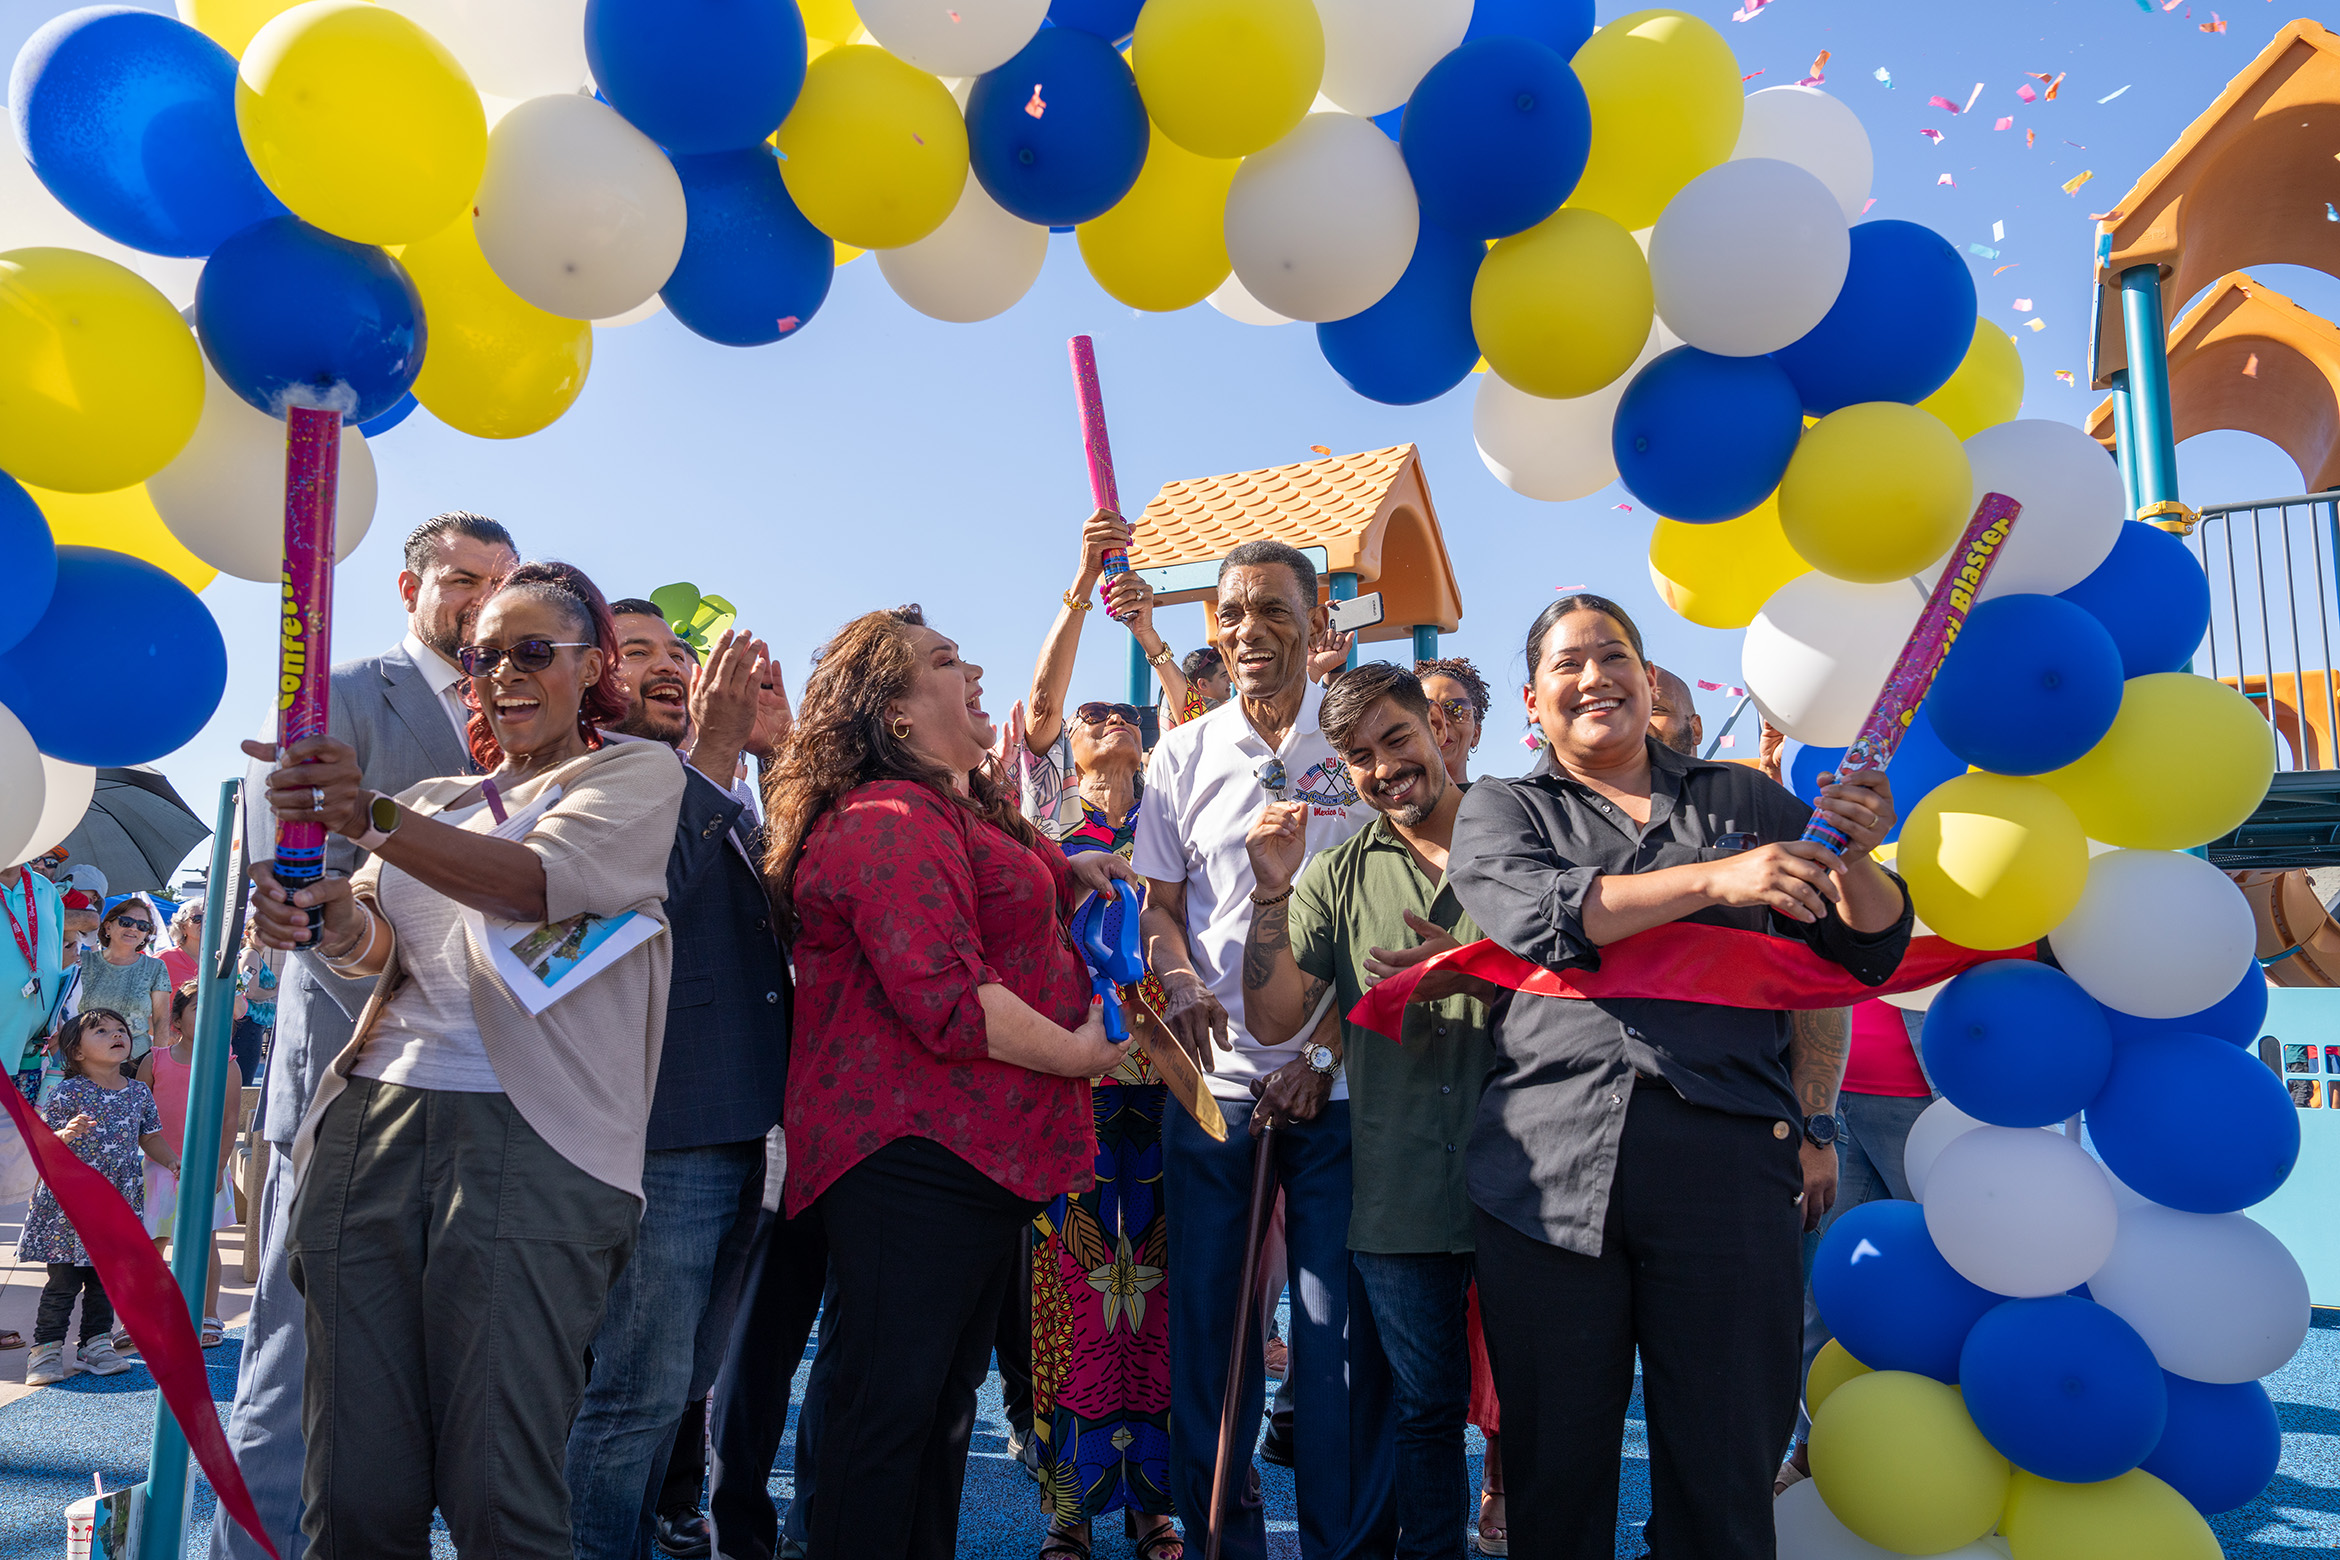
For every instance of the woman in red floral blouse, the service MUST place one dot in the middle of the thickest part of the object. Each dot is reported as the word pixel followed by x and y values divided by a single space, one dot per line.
pixel 938 1090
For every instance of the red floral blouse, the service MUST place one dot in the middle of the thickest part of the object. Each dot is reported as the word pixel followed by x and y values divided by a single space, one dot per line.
pixel 907 903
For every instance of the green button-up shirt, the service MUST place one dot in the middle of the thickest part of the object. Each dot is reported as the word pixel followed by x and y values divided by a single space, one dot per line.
pixel 1411 1106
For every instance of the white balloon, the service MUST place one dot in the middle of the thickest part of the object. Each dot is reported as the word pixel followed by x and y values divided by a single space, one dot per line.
pixel 1937 1127
pixel 32 218
pixel 223 495
pixel 24 788
pixel 1230 299
pixel 1322 223
pixel 1807 1530
pixel 2073 504
pixel 1816 656
pixel 2020 1211
pixel 66 790
pixel 2215 1296
pixel 1375 51
pixel 1555 450
pixel 953 37
pixel 578 212
pixel 2157 933
pixel 635 315
pixel 511 48
pixel 977 264
pixel 1807 127
pixel 1748 257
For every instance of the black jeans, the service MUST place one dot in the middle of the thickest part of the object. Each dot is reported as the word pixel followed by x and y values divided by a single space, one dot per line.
pixel 922 1250
pixel 1700 1271
pixel 67 1280
pixel 780 1295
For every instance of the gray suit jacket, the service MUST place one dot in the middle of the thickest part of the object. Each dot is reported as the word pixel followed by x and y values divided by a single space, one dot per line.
pixel 383 707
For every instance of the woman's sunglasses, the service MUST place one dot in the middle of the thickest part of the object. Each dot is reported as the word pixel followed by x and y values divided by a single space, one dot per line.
pixel 136 926
pixel 529 655
pixel 1098 713
pixel 1456 709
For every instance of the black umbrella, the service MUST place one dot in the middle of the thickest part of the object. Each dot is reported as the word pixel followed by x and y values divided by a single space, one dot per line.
pixel 136 831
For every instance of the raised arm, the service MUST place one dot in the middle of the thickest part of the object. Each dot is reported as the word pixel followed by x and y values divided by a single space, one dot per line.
pixel 1131 597
pixel 1044 706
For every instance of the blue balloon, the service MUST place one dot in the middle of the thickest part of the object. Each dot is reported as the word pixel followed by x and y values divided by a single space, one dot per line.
pixel 1111 20
pixel 2017 1044
pixel 375 426
pixel 2032 683
pixel 1888 1295
pixel 1392 123
pixel 1809 765
pixel 155 631
pixel 28 562
pixel 2221 1445
pixel 1919 764
pixel 1496 136
pixel 2239 1017
pixel 290 315
pixel 1897 331
pixel 1562 25
pixel 1081 155
pixel 2063 1388
pixel 697 75
pixel 1416 343
pixel 2194 1123
pixel 129 118
pixel 1700 437
pixel 753 269
pixel 2151 596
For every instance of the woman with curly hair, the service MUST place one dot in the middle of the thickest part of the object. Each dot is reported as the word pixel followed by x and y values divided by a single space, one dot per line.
pixel 1453 683
pixel 938 1091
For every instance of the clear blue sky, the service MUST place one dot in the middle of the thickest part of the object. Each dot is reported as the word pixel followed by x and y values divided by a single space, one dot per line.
pixel 879 457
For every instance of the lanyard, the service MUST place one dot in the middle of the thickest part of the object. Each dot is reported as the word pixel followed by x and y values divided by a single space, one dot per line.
pixel 28 946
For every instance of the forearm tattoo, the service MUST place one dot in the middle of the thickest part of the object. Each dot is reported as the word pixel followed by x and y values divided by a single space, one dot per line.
pixel 1269 937
pixel 1818 1043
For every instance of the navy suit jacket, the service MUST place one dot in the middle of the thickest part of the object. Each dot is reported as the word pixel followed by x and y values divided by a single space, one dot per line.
pixel 725 1065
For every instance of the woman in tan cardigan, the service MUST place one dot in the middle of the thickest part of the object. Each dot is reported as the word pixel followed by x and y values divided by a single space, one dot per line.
pixel 470 1174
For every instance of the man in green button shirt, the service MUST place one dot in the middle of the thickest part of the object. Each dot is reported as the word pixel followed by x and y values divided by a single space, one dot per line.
pixel 1359 912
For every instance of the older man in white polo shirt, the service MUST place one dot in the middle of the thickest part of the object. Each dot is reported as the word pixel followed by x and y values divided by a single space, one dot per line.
pixel 1206 782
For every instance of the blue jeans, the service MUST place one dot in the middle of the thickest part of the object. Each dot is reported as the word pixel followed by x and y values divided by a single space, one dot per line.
pixel 661 1339
pixel 1420 1310
pixel 1344 1454
pixel 1870 1132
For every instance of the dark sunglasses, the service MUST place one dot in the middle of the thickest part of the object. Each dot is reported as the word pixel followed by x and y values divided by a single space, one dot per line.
pixel 1456 709
pixel 529 655
pixel 1097 713
pixel 136 926
pixel 1272 777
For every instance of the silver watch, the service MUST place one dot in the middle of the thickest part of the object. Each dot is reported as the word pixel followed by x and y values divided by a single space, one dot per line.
pixel 1320 1059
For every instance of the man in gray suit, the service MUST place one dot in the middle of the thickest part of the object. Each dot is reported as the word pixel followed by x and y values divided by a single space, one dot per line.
pixel 403 712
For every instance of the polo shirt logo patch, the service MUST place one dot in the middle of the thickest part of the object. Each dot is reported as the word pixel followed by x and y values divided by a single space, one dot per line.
pixel 1328 787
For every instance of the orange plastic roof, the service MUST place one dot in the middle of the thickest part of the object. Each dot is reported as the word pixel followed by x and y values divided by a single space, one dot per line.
pixel 2248 357
pixel 1370 512
pixel 2245 185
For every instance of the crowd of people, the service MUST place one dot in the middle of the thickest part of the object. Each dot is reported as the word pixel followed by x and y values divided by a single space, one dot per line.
pixel 543 1244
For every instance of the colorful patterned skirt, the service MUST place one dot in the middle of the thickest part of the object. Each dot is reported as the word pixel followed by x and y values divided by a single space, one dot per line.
pixel 1101 1322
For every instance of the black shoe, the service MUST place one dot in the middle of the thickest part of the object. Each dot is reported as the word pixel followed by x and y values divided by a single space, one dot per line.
pixel 1276 1445
pixel 683 1534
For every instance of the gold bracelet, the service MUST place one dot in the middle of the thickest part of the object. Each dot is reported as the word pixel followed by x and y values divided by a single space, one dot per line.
pixel 1163 656
pixel 1075 603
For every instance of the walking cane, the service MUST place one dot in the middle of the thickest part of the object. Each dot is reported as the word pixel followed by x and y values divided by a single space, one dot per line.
pixel 1263 1191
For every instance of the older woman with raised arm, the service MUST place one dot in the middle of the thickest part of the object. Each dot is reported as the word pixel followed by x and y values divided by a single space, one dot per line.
pixel 1642 1169
pixel 938 1085
pixel 470 1169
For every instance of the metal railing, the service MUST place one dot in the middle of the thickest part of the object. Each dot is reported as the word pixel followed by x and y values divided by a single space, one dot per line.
pixel 2274 569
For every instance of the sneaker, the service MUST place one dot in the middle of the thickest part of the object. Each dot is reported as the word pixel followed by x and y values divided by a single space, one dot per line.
pixel 46 1366
pixel 120 1338
pixel 99 1359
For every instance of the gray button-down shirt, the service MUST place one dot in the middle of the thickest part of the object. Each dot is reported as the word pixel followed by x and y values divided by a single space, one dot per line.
pixel 1526 851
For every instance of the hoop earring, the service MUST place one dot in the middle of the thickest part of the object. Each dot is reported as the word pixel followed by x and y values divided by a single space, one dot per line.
pixel 901 728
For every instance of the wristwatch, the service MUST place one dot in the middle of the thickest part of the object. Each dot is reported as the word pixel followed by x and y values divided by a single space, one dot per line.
pixel 1163 656
pixel 383 816
pixel 1820 1131
pixel 1320 1059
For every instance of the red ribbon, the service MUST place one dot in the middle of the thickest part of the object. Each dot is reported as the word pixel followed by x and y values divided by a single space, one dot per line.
pixel 1685 962
pixel 146 1299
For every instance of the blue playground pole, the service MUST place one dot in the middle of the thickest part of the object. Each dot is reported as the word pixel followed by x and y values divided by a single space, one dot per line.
pixel 1425 641
pixel 2149 410
pixel 2125 437
pixel 1344 588
pixel 1141 675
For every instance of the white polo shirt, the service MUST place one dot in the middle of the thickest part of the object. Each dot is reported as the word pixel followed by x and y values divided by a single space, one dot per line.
pixel 1202 793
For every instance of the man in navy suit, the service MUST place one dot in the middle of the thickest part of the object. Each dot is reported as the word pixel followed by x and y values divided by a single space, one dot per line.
pixel 719 1088
pixel 403 712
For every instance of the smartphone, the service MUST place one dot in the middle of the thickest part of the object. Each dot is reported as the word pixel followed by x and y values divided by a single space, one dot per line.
pixel 1356 612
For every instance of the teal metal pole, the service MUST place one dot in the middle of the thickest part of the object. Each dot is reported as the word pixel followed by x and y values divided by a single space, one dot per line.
pixel 163 1532
pixel 2149 411
pixel 1141 675
pixel 1344 588
pixel 2125 438
pixel 1425 641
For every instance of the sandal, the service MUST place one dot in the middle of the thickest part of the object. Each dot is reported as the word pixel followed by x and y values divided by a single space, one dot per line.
pixel 10 1338
pixel 1498 1541
pixel 1071 1542
pixel 214 1332
pixel 1159 1542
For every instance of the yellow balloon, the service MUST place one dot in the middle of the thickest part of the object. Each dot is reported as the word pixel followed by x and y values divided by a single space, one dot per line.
pixel 1163 246
pixel 832 22
pixel 231 23
pixel 875 152
pixel 1719 576
pixel 1565 307
pixel 2133 1517
pixel 101 382
pixel 1987 389
pixel 2187 760
pixel 1875 492
pixel 1900 1463
pixel 1993 861
pixel 846 253
pixel 1831 1368
pixel 360 121
pixel 1226 78
pixel 497 365
pixel 1664 91
pixel 122 521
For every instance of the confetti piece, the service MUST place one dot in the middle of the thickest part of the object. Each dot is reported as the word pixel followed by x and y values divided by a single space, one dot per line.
pixel 1819 63
pixel 2109 96
pixel 2072 185
pixel 1866 204
pixel 1628 508
pixel 2047 87
pixel 2331 213
pixel 787 322
pixel 1998 232
pixel 2216 24
pixel 1562 590
pixel 2023 306
pixel 2005 123
pixel 2076 146
pixel 915 136
pixel 1934 136
pixel 2028 92
pixel 1321 449
pixel 2251 369
pixel 1709 687
pixel 1749 11
pixel 2063 376
pixel 2113 215
pixel 953 15
pixel 1750 76
pixel 2009 266
pixel 1985 251
pixel 1971 96
pixel 1728 739
pixel 1946 179
pixel 2035 324
pixel 1531 741
pixel 1941 102
pixel 1886 77
pixel 2030 139
pixel 1036 107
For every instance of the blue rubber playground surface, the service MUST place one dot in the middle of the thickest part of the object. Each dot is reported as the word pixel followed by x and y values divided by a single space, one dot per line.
pixel 52 1441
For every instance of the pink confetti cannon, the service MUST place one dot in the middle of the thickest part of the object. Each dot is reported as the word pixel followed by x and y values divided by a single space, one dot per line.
pixel 304 657
pixel 1913 672
pixel 1102 491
